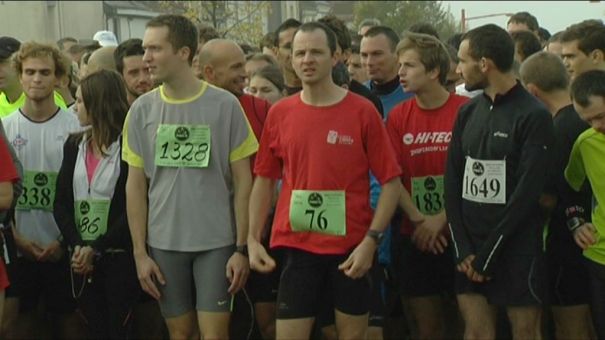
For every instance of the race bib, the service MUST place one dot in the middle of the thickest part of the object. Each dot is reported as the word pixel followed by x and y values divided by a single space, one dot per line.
pixel 319 212
pixel 484 181
pixel 427 193
pixel 91 218
pixel 38 191
pixel 185 146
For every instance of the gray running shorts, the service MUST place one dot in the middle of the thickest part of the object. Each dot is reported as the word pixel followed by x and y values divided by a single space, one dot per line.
pixel 199 276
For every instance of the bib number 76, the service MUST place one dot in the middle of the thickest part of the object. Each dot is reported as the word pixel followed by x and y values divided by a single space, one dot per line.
pixel 321 222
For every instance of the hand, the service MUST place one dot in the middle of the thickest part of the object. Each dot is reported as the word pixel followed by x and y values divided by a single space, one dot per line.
pixel 465 264
pixel 52 253
pixel 429 236
pixel 238 268
pixel 29 249
pixel 82 261
pixel 360 260
pixel 148 273
pixel 258 257
pixel 471 273
pixel 585 235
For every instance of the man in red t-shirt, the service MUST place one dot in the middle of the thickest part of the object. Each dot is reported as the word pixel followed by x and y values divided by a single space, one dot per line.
pixel 322 142
pixel 8 174
pixel 420 130
pixel 222 64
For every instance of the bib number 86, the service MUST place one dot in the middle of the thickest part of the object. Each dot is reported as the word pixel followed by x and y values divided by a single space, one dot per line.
pixel 88 226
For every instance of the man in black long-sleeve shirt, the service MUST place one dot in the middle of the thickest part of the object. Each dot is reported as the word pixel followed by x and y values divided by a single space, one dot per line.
pixel 545 77
pixel 496 170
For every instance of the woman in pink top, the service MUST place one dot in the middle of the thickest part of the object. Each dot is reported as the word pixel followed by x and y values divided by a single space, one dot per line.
pixel 90 208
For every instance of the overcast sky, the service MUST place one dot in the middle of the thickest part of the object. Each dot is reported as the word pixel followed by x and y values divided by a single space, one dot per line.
pixel 552 15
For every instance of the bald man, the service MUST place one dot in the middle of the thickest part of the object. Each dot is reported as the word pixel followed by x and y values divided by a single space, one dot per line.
pixel 221 63
pixel 102 59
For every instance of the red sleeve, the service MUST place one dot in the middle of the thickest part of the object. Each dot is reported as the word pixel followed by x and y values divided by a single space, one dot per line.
pixel 394 135
pixel 8 172
pixel 383 161
pixel 267 163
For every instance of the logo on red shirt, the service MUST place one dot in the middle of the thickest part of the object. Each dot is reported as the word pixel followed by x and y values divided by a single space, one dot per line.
pixel 335 138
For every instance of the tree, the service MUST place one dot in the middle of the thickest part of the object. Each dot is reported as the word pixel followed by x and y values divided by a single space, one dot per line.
pixel 400 15
pixel 242 21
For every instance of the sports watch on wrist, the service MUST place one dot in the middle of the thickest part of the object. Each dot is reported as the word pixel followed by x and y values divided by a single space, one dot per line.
pixel 243 249
pixel 377 236
pixel 574 223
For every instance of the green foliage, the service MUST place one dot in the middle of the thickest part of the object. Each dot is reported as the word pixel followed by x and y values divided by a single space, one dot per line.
pixel 399 15
pixel 241 21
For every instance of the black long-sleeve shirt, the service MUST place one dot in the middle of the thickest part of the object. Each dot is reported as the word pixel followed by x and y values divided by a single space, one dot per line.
pixel 118 233
pixel 570 203
pixel 514 128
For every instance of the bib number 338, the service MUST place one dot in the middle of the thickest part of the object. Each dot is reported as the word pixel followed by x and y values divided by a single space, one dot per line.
pixel 318 211
pixel 484 181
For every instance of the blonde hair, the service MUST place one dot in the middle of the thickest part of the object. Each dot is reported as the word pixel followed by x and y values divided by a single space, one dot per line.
pixel 433 53
pixel 36 50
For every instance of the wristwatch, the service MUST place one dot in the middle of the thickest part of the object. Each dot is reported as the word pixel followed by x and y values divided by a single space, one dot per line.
pixel 243 249
pixel 377 236
pixel 574 223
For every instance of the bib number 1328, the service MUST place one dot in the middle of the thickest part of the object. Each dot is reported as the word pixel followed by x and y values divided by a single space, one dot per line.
pixel 183 146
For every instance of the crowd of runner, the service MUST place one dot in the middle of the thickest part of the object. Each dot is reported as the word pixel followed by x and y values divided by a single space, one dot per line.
pixel 322 185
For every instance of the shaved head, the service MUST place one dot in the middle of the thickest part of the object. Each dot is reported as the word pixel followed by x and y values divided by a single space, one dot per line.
pixel 217 51
pixel 102 59
pixel 222 64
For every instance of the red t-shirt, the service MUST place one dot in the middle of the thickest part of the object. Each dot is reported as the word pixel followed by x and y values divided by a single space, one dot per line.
pixel 8 172
pixel 325 148
pixel 256 110
pixel 421 138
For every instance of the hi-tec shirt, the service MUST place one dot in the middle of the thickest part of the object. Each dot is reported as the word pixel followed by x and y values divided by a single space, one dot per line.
pixel 39 146
pixel 421 138
pixel 190 208
pixel 7 108
pixel 319 149
pixel 587 160
pixel 496 170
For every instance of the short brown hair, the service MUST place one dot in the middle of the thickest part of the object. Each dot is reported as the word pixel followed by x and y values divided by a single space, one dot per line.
pixel 36 50
pixel 206 33
pixel 590 35
pixel 273 74
pixel 181 32
pixel 525 18
pixel 262 57
pixel 546 71
pixel 433 54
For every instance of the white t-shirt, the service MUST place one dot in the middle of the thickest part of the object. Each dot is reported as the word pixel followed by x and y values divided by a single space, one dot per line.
pixel 39 146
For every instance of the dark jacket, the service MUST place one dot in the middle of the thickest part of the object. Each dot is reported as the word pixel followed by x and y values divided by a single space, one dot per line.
pixel 118 233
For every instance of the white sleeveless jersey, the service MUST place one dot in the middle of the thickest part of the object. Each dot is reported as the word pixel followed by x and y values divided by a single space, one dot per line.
pixel 39 146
